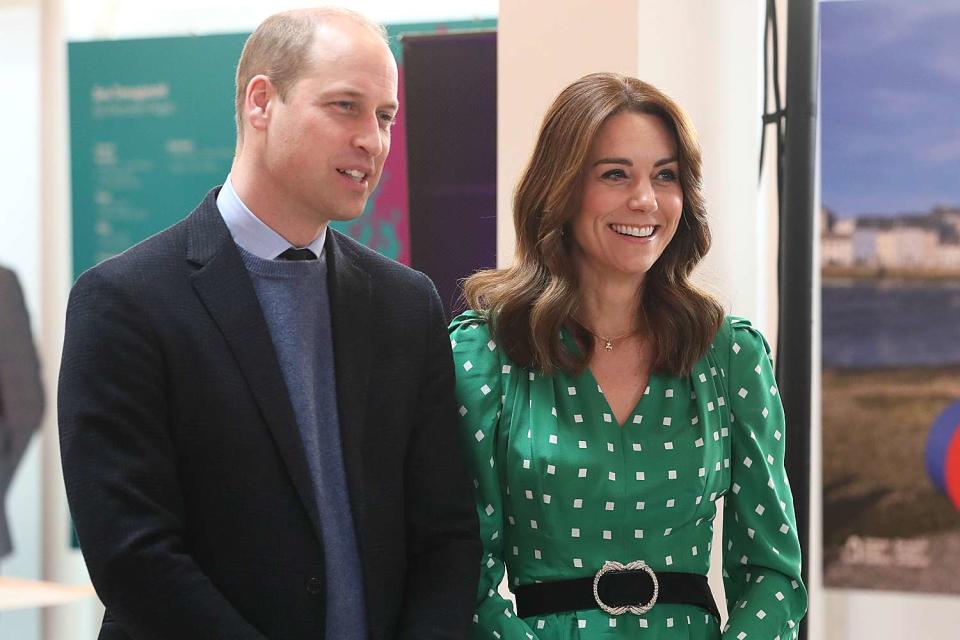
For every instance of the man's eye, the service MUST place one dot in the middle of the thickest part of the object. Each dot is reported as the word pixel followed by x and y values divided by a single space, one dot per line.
pixel 344 105
pixel 388 119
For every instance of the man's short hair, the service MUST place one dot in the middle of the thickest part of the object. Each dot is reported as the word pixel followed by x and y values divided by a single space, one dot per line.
pixel 280 49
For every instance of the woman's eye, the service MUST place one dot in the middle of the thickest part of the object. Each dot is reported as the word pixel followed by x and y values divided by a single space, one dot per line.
pixel 668 175
pixel 614 174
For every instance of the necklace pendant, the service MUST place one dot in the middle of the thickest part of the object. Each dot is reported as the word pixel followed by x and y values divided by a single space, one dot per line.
pixel 608 345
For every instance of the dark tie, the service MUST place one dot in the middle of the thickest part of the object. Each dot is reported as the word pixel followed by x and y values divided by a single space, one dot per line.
pixel 297 254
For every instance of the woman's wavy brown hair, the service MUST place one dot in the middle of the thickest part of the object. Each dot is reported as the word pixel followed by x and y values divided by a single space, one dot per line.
pixel 530 301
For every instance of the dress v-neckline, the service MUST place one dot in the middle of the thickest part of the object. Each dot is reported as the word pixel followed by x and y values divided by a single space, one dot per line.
pixel 629 419
pixel 571 343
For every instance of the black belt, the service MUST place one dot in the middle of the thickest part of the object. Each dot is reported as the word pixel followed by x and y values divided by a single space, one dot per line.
pixel 616 589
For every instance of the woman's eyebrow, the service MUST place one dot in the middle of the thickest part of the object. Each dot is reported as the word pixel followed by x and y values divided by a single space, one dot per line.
pixel 623 161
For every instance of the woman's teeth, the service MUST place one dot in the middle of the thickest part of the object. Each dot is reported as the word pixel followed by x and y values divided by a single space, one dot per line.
pixel 636 232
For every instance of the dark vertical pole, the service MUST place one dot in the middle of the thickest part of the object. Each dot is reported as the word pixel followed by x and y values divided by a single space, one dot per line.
pixel 794 353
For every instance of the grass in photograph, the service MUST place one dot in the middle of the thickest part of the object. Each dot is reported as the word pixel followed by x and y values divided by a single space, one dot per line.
pixel 875 483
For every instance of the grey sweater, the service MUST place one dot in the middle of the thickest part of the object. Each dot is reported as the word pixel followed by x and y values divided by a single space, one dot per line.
pixel 296 305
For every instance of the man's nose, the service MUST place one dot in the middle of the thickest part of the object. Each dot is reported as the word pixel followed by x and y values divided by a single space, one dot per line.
pixel 369 136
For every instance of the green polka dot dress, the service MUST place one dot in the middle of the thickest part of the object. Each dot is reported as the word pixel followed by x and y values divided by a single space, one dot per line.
pixel 561 488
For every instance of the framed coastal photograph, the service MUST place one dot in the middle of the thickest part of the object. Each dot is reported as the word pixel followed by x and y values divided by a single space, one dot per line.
pixel 890 261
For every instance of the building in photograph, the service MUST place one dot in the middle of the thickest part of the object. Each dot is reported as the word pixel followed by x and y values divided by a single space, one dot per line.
pixel 911 242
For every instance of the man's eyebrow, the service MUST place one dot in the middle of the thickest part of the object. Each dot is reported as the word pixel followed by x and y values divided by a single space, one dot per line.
pixel 359 95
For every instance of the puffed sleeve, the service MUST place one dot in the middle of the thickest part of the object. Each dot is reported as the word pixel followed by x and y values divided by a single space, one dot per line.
pixel 765 595
pixel 481 379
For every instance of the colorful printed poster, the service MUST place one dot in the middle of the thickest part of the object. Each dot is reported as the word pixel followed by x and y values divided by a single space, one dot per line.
pixel 890 259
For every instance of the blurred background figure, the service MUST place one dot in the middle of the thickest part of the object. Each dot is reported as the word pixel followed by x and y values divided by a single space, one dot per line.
pixel 21 393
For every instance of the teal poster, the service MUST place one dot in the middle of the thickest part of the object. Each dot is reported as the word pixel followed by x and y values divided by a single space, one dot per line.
pixel 152 131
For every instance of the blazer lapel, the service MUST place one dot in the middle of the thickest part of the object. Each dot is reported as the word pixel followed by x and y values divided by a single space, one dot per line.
pixel 224 286
pixel 351 310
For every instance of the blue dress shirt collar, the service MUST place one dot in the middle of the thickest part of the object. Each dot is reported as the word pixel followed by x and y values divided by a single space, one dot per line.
pixel 250 232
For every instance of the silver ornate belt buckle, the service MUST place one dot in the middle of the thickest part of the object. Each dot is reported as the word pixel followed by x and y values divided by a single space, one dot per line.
pixel 614 566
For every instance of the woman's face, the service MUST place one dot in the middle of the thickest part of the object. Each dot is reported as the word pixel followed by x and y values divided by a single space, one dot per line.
pixel 631 200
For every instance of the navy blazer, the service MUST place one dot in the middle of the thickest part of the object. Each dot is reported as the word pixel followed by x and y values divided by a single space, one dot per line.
pixel 185 471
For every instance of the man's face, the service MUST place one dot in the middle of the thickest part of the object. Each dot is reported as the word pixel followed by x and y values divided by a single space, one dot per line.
pixel 326 142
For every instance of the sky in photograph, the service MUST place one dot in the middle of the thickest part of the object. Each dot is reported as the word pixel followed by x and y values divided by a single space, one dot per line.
pixel 890 106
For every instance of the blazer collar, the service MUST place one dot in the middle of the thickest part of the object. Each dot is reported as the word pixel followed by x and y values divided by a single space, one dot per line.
pixel 352 320
pixel 225 288
pixel 207 234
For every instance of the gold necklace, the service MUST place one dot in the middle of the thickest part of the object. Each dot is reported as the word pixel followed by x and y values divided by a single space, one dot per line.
pixel 608 342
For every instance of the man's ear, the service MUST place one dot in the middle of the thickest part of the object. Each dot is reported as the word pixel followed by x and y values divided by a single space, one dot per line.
pixel 258 98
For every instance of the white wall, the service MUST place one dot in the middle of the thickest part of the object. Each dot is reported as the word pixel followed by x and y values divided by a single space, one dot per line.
pixel 20 74
pixel 541 47
pixel 856 615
